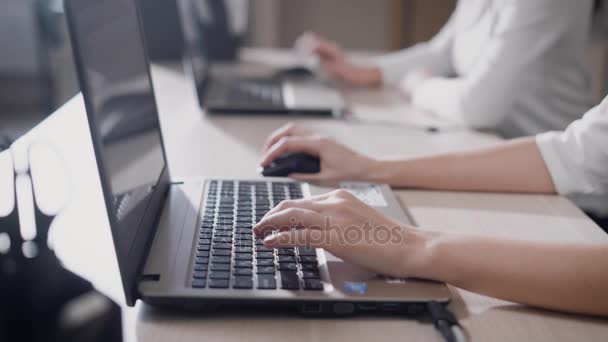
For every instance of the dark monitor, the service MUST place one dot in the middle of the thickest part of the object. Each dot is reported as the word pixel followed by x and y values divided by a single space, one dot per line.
pixel 114 75
pixel 208 37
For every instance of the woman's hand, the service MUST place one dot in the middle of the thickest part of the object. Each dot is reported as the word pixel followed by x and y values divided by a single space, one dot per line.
pixel 346 227
pixel 337 161
pixel 336 64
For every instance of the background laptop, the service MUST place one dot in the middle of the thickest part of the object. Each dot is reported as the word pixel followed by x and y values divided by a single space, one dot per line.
pixel 189 244
pixel 223 87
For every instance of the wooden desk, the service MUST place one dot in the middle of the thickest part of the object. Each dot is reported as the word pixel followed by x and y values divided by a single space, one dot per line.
pixel 203 146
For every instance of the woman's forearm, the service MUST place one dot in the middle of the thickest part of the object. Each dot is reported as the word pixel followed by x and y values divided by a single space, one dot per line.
pixel 565 277
pixel 515 166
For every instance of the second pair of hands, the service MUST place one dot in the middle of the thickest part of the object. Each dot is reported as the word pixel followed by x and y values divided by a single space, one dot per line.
pixel 335 62
pixel 338 221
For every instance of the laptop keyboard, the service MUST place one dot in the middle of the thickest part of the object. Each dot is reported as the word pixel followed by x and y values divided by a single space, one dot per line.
pixel 249 93
pixel 229 255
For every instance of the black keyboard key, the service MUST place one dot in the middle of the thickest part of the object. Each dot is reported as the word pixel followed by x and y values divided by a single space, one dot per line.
pixel 243 230
pixel 204 241
pixel 219 275
pixel 225 222
pixel 243 249
pixel 288 267
pixel 198 283
pixel 287 258
pixel 203 261
pixel 223 233
pixel 242 264
pixel 307 251
pixel 200 267
pixel 264 262
pixel 242 243
pixel 286 251
pixel 242 272
pixel 220 260
pixel 244 236
pixel 219 283
pixel 263 249
pixel 290 281
pixel 242 256
pixel 222 252
pixel 220 267
pixel 222 239
pixel 311 275
pixel 313 284
pixel 203 247
pixel 308 259
pixel 265 255
pixel 199 274
pixel 242 283
pixel 202 254
pixel 266 270
pixel 267 282
pixel 309 267
pixel 221 245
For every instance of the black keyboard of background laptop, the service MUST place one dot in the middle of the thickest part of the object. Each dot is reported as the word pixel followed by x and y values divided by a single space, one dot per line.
pixel 228 255
pixel 249 93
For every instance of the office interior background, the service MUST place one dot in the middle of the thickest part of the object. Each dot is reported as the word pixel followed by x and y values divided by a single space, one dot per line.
pixel 37 74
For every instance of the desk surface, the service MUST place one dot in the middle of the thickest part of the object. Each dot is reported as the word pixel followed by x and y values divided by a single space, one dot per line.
pixel 202 146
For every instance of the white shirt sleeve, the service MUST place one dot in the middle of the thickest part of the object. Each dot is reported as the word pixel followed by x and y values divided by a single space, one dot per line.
pixel 524 32
pixel 577 158
pixel 434 55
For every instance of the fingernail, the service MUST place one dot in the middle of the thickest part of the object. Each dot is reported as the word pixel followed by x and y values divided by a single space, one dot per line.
pixel 271 238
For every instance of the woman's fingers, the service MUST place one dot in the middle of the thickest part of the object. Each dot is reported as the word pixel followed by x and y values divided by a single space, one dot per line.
pixel 327 50
pixel 310 145
pixel 294 238
pixel 285 131
pixel 308 203
pixel 285 220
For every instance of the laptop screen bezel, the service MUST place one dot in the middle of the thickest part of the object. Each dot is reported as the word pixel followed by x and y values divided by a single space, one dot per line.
pixel 130 267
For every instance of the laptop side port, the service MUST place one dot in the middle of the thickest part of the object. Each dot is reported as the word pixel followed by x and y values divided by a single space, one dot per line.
pixel 343 308
pixel 367 307
pixel 391 307
pixel 311 308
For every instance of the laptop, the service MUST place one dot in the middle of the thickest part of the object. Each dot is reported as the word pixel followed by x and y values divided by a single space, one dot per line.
pixel 189 244
pixel 225 88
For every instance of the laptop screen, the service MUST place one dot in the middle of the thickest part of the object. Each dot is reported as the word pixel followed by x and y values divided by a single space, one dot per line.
pixel 115 80
pixel 196 54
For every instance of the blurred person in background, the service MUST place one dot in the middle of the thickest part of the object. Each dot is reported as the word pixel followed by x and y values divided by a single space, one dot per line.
pixel 514 66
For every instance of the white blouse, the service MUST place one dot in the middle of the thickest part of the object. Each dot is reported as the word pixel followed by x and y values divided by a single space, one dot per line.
pixel 515 66
pixel 578 159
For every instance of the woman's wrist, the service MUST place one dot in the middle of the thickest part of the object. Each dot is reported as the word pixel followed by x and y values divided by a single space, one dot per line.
pixel 383 171
pixel 369 170
pixel 419 253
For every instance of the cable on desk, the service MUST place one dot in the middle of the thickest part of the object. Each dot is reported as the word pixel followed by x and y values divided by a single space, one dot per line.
pixel 446 323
